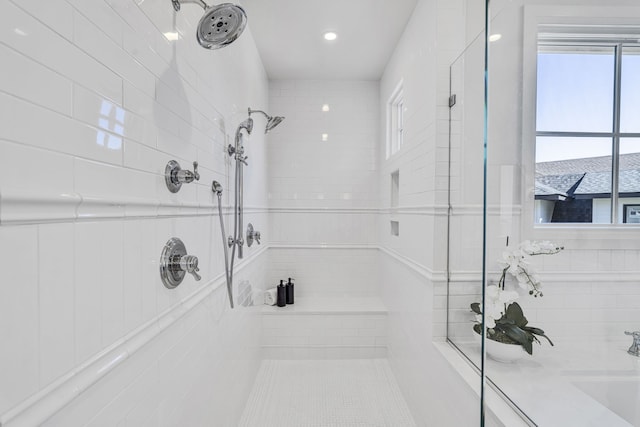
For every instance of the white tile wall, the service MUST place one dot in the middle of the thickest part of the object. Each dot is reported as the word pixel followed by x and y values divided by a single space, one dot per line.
pixel 94 102
pixel 411 265
pixel 337 173
pixel 325 272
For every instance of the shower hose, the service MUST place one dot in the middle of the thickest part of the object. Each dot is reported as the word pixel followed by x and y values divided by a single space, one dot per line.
pixel 228 271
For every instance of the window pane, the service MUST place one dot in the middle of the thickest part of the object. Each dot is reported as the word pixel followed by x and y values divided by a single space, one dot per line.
pixel 573 180
pixel 629 181
pixel 630 96
pixel 575 89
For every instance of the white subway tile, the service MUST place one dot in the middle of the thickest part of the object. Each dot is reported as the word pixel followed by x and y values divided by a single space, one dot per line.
pixel 98 45
pixel 45 172
pixel 25 33
pixel 55 132
pixel 19 364
pixel 56 14
pixel 111 282
pixel 56 289
pixel 102 16
pixel 87 270
pixel 29 80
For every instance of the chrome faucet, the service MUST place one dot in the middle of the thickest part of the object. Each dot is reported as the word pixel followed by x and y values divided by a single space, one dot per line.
pixel 635 347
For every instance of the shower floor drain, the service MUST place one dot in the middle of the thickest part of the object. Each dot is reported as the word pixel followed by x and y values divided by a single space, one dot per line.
pixel 322 393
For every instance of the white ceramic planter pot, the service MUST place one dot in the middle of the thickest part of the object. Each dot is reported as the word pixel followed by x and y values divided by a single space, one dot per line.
pixel 505 353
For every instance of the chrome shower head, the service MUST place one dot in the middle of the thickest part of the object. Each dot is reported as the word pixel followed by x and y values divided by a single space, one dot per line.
pixel 216 187
pixel 220 25
pixel 271 121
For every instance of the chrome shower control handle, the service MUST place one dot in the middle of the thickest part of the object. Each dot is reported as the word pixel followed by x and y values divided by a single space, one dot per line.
pixel 252 235
pixel 635 347
pixel 175 264
pixel 196 175
pixel 186 176
pixel 189 263
pixel 175 176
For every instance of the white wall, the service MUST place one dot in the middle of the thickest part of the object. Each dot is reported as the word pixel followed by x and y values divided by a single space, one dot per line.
pixel 323 195
pixel 94 102
pixel 413 264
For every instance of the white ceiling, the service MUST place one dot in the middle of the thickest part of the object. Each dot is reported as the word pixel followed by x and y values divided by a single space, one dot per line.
pixel 288 34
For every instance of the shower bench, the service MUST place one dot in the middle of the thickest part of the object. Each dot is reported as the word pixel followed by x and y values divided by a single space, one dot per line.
pixel 344 327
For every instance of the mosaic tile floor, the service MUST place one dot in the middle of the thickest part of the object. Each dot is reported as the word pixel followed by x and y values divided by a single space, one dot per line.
pixel 326 393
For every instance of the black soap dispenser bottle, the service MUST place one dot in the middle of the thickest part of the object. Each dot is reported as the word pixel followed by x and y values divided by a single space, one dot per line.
pixel 289 291
pixel 281 300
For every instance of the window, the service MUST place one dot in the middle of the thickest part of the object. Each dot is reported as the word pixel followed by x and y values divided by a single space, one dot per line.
pixel 395 121
pixel 587 149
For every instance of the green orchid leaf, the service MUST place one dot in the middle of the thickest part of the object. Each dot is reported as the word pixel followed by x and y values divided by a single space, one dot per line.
pixel 524 338
pixel 537 331
pixel 514 313
pixel 475 307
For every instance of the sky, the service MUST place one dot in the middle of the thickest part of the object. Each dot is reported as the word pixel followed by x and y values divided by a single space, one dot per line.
pixel 575 93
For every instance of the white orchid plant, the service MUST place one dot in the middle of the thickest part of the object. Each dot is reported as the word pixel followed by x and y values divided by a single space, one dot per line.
pixel 504 319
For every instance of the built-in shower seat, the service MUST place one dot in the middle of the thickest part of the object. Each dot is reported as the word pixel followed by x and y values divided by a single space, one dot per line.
pixel 325 328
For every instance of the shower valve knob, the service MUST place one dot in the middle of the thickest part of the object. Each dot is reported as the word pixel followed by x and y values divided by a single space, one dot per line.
pixel 252 235
pixel 186 176
pixel 175 176
pixel 175 263
pixel 189 263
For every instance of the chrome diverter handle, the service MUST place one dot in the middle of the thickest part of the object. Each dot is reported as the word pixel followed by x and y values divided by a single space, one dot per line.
pixel 175 263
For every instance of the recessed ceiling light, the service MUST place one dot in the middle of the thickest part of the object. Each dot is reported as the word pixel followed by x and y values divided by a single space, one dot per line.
pixel 495 37
pixel 330 35
pixel 325 137
pixel 325 107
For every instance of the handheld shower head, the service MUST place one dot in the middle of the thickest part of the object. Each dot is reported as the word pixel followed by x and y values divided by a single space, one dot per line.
pixel 246 125
pixel 271 121
pixel 216 187
pixel 220 25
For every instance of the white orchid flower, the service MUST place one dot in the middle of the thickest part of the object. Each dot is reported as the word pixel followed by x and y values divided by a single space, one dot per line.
pixel 496 300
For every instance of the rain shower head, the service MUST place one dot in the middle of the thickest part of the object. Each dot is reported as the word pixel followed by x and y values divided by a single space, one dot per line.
pixel 271 121
pixel 220 25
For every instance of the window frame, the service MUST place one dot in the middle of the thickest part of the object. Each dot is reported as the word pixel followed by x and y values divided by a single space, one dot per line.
pixel 535 17
pixel 395 121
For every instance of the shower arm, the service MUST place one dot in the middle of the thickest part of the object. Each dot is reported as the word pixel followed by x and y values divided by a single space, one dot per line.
pixel 259 111
pixel 177 3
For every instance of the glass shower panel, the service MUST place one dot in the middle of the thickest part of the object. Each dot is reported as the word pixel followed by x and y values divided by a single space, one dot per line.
pixel 466 197
pixel 571 284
